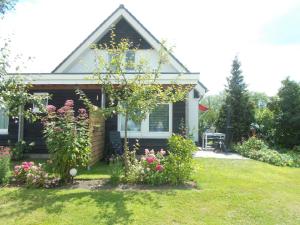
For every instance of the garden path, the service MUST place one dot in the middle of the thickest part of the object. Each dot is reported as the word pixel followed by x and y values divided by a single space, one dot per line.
pixel 218 155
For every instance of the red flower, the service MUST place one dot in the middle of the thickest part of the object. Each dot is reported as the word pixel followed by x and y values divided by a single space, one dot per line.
pixel 150 160
pixel 159 168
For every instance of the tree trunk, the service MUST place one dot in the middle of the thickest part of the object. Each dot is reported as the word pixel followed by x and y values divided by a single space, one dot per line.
pixel 126 149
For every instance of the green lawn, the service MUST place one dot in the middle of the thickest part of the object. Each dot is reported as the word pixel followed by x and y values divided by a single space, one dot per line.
pixel 231 192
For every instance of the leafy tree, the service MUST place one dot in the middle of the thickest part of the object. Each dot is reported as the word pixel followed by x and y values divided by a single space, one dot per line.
pixel 132 96
pixel 259 99
pixel 209 118
pixel 287 114
pixel 14 91
pixel 264 116
pixel 237 112
pixel 15 96
pixel 6 5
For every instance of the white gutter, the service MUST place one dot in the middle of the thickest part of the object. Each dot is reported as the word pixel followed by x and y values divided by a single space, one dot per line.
pixel 50 78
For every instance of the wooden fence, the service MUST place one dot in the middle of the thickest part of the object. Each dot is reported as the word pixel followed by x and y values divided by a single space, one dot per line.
pixel 97 135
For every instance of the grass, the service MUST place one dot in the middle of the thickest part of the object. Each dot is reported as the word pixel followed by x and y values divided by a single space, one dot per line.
pixel 231 192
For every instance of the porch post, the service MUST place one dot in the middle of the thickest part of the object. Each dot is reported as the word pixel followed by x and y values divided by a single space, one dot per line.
pixel 21 124
pixel 192 115
pixel 102 99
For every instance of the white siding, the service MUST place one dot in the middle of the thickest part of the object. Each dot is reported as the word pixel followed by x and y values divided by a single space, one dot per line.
pixel 86 63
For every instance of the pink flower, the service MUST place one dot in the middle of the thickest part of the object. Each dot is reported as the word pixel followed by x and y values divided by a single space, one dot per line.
pixel 51 108
pixel 162 152
pixel 69 103
pixel 82 111
pixel 64 109
pixel 150 160
pixel 146 151
pixel 159 168
pixel 17 167
pixel 152 152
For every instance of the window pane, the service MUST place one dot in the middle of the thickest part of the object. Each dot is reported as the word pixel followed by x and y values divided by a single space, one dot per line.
pixel 44 102
pixel 159 119
pixel 112 60
pixel 131 126
pixel 130 59
pixel 3 119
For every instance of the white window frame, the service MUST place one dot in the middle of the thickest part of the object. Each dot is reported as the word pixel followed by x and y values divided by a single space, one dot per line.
pixel 131 51
pixel 36 109
pixel 145 133
pixel 5 131
pixel 109 56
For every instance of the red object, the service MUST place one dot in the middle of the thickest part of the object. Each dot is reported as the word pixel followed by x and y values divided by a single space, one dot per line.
pixel 159 167
pixel 202 108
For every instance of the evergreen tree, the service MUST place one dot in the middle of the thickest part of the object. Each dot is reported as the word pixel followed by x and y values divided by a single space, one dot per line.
pixel 237 111
pixel 287 114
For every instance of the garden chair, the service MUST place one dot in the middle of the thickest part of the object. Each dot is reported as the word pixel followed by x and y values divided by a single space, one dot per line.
pixel 115 143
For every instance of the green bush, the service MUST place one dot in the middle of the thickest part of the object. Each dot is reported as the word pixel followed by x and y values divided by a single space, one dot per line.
pixel 20 148
pixel 4 164
pixel 256 149
pixel 178 164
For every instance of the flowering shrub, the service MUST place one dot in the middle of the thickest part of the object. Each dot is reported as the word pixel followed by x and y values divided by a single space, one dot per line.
pixel 153 169
pixel 30 174
pixel 4 164
pixel 67 138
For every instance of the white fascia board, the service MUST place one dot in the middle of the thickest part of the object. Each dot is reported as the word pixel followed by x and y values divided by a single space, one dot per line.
pixel 88 78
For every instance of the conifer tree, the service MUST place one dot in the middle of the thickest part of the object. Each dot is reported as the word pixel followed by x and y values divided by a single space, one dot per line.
pixel 237 111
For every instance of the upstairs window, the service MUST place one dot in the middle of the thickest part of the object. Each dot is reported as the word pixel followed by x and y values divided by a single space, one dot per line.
pixel 130 60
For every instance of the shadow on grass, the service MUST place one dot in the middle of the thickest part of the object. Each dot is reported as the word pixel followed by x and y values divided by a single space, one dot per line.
pixel 112 207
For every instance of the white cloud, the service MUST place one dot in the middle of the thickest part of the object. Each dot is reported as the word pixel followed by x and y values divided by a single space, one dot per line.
pixel 207 35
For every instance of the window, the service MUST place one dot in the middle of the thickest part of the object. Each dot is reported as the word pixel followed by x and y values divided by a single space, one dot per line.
pixel 132 126
pixel 159 119
pixel 130 59
pixel 111 59
pixel 35 109
pixel 157 124
pixel 4 121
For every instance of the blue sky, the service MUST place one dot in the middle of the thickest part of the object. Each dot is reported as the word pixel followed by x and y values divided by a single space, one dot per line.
pixel 207 35
pixel 285 29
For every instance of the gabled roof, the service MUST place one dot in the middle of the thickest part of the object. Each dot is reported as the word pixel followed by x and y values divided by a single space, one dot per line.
pixel 102 29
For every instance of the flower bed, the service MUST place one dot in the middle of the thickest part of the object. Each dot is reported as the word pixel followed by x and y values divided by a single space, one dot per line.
pixel 33 175
pixel 155 167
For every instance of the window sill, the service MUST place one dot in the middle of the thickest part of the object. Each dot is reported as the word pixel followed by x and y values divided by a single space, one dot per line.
pixel 148 135
pixel 3 132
